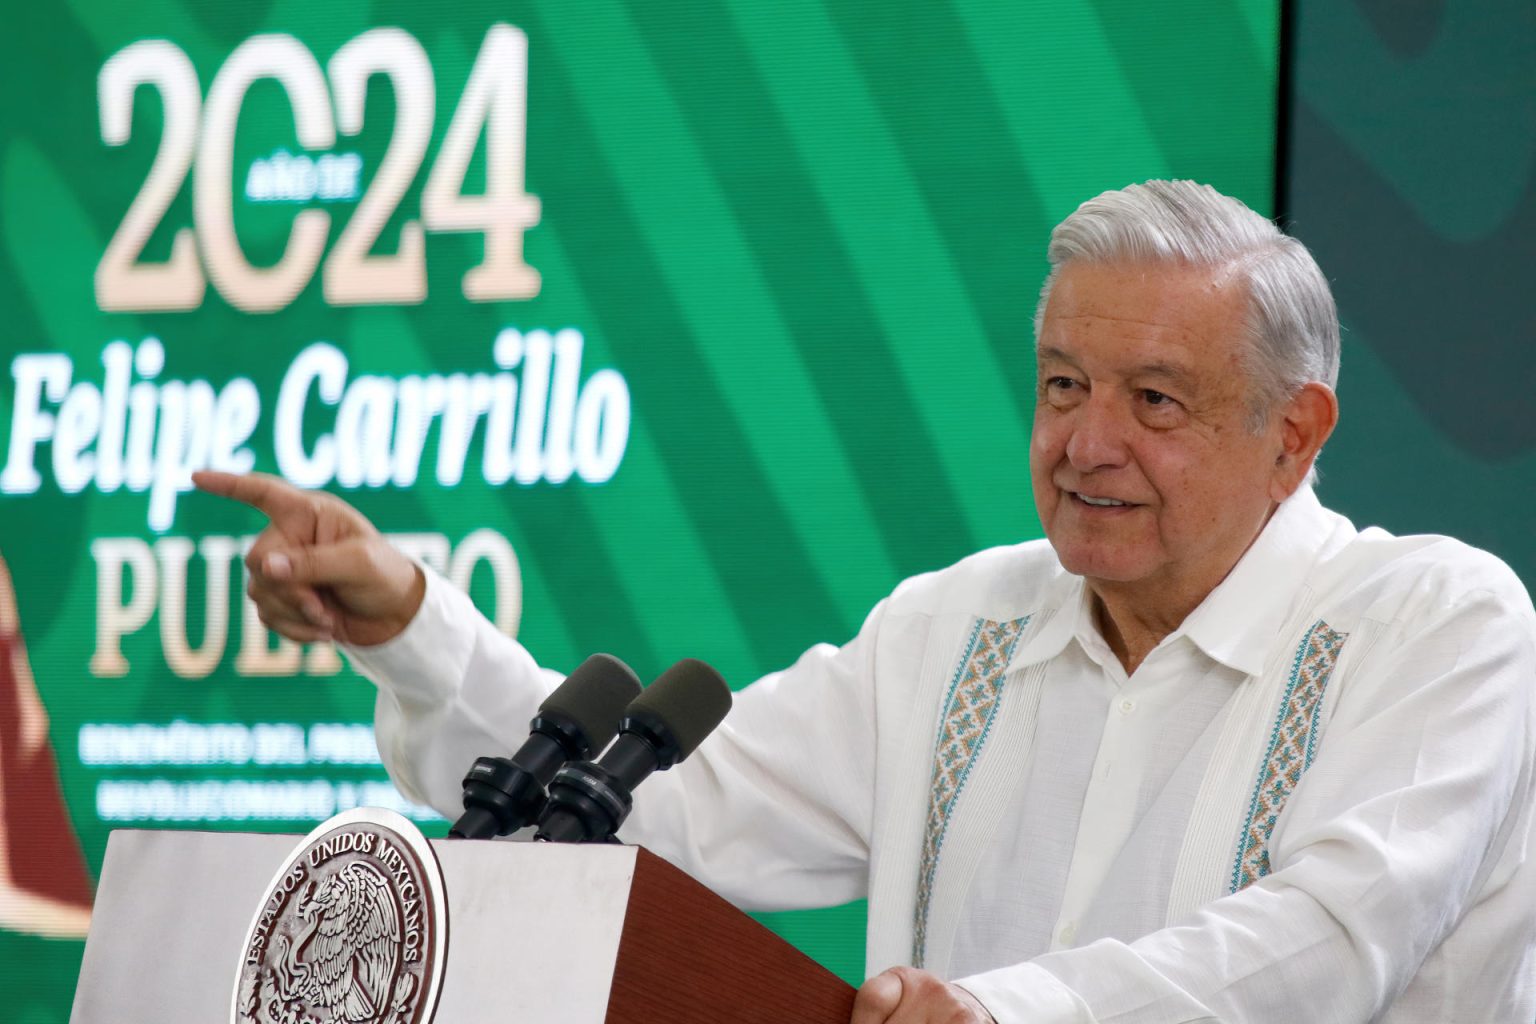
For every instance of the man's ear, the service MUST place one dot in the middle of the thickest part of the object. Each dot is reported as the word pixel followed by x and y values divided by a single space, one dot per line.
pixel 1307 419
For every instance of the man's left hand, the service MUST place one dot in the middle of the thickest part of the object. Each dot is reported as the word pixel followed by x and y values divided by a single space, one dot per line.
pixel 906 995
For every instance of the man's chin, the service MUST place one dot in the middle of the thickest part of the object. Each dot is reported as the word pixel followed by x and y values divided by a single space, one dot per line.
pixel 1095 564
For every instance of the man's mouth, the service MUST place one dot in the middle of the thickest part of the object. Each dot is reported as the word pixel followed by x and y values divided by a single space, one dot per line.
pixel 1100 502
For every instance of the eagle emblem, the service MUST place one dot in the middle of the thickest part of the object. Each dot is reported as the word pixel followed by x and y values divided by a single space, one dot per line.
pixel 346 935
pixel 349 955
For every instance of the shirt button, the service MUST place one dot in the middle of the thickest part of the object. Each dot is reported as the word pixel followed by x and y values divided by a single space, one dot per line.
pixel 1068 934
pixel 1127 706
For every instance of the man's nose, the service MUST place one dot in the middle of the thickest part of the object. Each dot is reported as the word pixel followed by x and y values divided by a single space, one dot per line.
pixel 1099 435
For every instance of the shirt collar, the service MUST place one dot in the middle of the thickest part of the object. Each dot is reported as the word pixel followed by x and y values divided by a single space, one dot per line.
pixel 1237 622
pixel 1240 620
pixel 1069 616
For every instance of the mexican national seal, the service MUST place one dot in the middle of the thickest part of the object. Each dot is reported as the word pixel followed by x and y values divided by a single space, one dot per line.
pixel 351 930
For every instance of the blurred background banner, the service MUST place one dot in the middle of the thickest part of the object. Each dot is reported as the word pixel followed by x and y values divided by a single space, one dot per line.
pixel 666 329
pixel 1412 177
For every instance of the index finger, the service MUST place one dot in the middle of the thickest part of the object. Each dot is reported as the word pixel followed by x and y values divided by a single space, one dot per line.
pixel 262 491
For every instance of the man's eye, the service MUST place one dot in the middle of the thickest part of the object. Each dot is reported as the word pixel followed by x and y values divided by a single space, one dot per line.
pixel 1156 397
pixel 1061 383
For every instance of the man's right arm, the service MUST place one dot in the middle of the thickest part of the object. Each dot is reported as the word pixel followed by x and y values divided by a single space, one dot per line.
pixel 773 810
pixel 452 687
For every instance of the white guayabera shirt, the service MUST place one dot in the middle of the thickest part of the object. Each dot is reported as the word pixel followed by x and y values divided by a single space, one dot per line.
pixel 1313 802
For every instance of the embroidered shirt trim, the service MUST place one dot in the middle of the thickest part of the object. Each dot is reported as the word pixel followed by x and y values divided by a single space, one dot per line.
pixel 974 694
pixel 1292 745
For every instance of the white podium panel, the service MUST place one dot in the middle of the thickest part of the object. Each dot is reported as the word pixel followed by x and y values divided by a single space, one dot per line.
pixel 535 928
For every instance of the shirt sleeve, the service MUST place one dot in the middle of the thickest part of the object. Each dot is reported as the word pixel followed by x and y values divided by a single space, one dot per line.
pixel 1416 810
pixel 773 810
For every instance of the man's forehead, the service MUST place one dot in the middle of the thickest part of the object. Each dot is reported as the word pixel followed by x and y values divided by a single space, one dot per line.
pixel 1147 293
pixel 1164 318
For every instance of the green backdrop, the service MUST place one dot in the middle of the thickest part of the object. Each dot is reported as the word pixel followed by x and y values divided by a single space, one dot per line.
pixel 1413 180
pixel 774 355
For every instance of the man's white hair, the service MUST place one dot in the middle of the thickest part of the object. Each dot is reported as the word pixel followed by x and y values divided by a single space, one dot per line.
pixel 1292 325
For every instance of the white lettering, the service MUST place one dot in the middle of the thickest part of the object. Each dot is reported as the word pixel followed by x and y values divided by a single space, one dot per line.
pixel 342 743
pixel 562 406
pixel 279 743
pixel 141 743
pixel 528 458
pixel 234 421
pixel 365 431
pixel 139 467
pixel 492 548
pixel 79 420
pixel 173 554
pixel 144 744
pixel 419 401
pixel 36 375
pixel 117 358
pixel 136 581
pixel 185 443
pixel 246 800
pixel 602 426
pixel 286 177
pixel 325 367
pixel 116 618
pixel 535 419
pixel 469 398
pixel 215 800
pixel 498 463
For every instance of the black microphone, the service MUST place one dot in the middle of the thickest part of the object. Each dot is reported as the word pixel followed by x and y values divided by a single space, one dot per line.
pixel 501 794
pixel 589 801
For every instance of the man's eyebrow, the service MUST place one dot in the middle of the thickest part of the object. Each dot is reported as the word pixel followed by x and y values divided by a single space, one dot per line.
pixel 1166 371
pixel 1172 372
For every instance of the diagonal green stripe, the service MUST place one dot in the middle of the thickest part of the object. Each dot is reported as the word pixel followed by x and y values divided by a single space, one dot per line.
pixel 112 25
pixel 897 258
pixel 41 224
pixel 947 124
pixel 47 231
pixel 1046 101
pixel 550 528
pixel 50 28
pixel 668 368
pixel 557 615
pixel 1220 61
pixel 1261 19
pixel 914 446
pixel 321 26
pixel 659 561
pixel 688 224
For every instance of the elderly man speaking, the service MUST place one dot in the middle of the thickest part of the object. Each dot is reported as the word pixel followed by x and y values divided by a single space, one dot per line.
pixel 1207 752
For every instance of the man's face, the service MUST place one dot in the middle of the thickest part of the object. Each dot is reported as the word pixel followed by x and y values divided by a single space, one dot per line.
pixel 1147 476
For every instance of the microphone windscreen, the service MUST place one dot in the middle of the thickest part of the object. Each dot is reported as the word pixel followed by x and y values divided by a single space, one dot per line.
pixel 691 698
pixel 595 696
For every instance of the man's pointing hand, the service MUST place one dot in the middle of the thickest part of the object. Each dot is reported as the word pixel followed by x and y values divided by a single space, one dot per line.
pixel 320 570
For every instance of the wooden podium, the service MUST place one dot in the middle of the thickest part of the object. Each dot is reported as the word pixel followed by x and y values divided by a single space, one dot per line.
pixel 535 932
